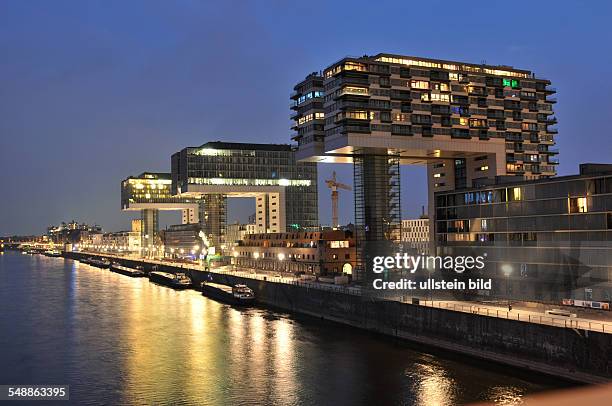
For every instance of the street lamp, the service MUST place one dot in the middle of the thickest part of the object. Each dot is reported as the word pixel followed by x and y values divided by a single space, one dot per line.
pixel 281 258
pixel 507 270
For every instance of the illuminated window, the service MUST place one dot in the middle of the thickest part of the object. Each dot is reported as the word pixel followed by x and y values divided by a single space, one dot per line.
pixel 578 205
pixel 424 96
pixel 529 126
pixel 477 122
pixel 463 121
pixel 354 90
pixel 440 97
pixel 419 84
pixel 515 193
pixel 438 175
pixel 513 83
pixel 484 168
pixel 355 66
pixel 356 115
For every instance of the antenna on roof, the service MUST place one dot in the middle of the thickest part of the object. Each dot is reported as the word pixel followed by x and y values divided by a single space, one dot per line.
pixel 483 62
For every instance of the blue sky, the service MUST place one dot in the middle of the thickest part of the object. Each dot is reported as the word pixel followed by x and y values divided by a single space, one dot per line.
pixel 94 91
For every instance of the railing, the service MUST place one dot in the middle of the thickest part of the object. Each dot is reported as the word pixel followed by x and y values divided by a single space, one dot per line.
pixel 565 322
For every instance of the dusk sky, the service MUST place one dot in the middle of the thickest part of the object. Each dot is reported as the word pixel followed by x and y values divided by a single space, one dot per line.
pixel 95 91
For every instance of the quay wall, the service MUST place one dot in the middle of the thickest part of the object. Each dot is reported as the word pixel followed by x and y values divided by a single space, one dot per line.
pixel 571 354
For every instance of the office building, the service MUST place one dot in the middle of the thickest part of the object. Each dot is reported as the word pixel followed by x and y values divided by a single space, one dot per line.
pixel 545 240
pixel 285 190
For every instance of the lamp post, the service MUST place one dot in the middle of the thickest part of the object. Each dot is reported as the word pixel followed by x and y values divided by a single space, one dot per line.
pixel 507 270
pixel 281 258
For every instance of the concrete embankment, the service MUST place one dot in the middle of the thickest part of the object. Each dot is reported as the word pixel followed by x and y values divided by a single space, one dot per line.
pixel 571 354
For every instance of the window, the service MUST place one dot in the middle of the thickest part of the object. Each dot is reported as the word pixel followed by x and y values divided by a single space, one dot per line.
pixel 441 86
pixel 440 97
pixel 483 168
pixel 438 175
pixel 401 117
pixel 354 90
pixel 578 205
pixel 358 115
pixel 463 121
pixel 425 97
pixel 515 193
pixel 530 127
pixel 458 110
pixel 513 83
pixel 478 122
pixel 419 84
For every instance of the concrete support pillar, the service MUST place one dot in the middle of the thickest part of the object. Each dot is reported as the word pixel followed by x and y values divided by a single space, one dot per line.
pixel 213 216
pixel 149 233
pixel 261 213
pixel 377 205
pixel 190 216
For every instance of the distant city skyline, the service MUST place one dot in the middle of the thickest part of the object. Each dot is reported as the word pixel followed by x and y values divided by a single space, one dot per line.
pixel 93 93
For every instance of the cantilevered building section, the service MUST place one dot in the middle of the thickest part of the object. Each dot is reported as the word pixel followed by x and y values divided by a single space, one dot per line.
pixel 285 190
pixel 464 121
pixel 150 192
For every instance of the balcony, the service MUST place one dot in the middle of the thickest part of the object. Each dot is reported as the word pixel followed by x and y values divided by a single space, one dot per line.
pixel 550 90
pixel 552 130
pixel 355 129
pixel 553 161
pixel 551 99
pixel 546 138
pixel 294 94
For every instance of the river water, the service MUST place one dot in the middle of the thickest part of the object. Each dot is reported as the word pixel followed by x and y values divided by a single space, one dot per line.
pixel 121 340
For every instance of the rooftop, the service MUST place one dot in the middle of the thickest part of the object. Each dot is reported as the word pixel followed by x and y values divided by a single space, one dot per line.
pixel 246 146
pixel 587 170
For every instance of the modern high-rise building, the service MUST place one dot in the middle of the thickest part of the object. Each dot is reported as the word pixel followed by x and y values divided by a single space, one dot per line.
pixel 464 121
pixel 285 191
pixel 544 240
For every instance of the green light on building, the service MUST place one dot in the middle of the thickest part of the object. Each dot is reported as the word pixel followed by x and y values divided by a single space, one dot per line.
pixel 513 83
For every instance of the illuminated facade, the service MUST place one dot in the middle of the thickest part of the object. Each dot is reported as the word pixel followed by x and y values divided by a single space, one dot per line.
pixel 148 193
pixel 311 252
pixel 285 190
pixel 464 121
pixel 544 240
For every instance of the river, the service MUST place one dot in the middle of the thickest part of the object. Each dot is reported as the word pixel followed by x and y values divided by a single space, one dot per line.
pixel 121 340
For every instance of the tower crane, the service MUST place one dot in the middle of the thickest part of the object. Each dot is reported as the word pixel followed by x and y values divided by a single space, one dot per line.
pixel 334 185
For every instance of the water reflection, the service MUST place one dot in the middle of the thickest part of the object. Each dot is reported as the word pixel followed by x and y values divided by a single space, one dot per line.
pixel 121 340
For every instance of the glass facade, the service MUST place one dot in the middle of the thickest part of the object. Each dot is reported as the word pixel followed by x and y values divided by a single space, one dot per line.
pixel 241 164
pixel 553 236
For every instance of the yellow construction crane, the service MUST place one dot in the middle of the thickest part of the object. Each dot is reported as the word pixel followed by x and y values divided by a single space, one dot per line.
pixel 334 186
